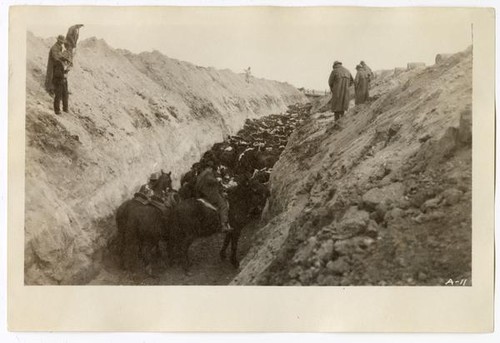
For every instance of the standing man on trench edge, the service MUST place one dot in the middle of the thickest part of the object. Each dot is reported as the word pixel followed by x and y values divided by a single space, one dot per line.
pixel 210 189
pixel 368 70
pixel 361 85
pixel 55 81
pixel 340 80
pixel 71 40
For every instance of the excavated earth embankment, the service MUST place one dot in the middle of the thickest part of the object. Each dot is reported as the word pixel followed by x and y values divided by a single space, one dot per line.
pixel 130 115
pixel 381 198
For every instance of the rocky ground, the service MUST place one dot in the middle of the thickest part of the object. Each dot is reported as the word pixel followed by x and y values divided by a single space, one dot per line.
pixel 381 198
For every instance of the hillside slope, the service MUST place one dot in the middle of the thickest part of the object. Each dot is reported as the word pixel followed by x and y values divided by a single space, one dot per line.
pixel 130 115
pixel 384 199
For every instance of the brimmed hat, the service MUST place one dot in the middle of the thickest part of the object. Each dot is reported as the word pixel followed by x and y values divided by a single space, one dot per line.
pixel 61 39
pixel 337 63
pixel 154 176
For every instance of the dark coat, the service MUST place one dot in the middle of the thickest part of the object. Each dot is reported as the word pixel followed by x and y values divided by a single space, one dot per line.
pixel 72 37
pixel 361 83
pixel 55 54
pixel 339 82
pixel 58 72
pixel 210 189
pixel 369 72
pixel 189 177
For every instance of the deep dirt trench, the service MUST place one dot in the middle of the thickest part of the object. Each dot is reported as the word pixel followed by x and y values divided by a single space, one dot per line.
pixel 252 152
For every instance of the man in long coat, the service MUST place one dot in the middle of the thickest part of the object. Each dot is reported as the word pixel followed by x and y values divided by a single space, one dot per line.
pixel 339 82
pixel 72 39
pixel 188 182
pixel 368 70
pixel 55 54
pixel 210 189
pixel 60 82
pixel 361 82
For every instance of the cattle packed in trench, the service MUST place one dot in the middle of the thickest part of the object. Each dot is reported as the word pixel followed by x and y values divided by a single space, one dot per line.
pixel 159 225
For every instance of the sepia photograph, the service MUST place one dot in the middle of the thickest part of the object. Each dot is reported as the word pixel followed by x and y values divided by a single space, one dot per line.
pixel 287 149
pixel 339 164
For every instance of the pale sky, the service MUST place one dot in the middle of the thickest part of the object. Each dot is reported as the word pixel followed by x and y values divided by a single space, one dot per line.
pixel 293 45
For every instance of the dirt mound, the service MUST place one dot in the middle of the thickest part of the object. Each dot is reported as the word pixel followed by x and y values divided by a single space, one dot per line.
pixel 381 198
pixel 129 115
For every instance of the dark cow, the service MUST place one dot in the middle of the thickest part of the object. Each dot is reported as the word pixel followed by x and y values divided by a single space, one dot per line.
pixel 188 184
pixel 253 158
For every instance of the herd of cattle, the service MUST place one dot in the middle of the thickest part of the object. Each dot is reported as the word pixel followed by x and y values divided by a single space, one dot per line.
pixel 254 150
pixel 244 162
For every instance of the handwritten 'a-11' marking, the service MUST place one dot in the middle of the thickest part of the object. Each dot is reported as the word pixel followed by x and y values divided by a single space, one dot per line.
pixel 451 282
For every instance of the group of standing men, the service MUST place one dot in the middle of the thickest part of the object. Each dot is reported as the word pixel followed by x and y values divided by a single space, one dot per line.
pixel 341 79
pixel 59 64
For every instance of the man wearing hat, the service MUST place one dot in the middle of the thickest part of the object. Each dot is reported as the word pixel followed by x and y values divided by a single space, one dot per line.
pixel 339 81
pixel 188 182
pixel 368 70
pixel 210 189
pixel 55 80
pixel 361 82
pixel 146 190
